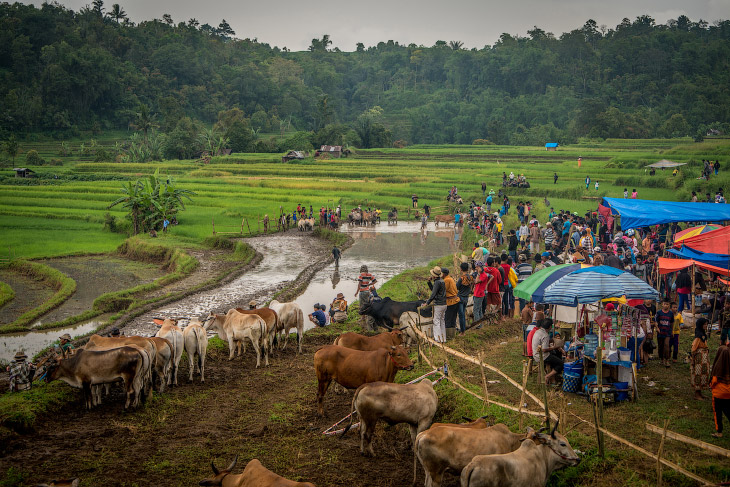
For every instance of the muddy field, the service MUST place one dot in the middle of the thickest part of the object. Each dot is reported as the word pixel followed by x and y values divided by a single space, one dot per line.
pixel 269 414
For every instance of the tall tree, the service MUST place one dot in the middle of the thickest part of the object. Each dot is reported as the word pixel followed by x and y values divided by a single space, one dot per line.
pixel 12 146
pixel 117 13
pixel 144 121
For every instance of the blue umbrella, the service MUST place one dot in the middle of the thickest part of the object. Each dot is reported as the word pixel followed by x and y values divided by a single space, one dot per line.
pixel 591 284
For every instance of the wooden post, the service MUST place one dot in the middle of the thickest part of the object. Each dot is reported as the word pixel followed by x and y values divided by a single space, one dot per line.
pixel 692 293
pixel 213 221
pixel 635 385
pixel 248 226
pixel 525 374
pixel 599 396
pixel 598 430
pixel 484 381
pixel 544 389
pixel 418 344
pixel 659 455
pixel 242 225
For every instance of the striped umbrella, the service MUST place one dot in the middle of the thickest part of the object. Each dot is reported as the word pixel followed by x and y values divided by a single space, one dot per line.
pixel 534 286
pixel 594 283
pixel 693 231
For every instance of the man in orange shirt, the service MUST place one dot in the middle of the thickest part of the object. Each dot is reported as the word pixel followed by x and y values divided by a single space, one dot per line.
pixel 720 385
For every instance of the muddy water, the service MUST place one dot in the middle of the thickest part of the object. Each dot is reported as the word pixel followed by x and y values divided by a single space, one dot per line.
pixel 285 256
pixel 387 250
pixel 35 341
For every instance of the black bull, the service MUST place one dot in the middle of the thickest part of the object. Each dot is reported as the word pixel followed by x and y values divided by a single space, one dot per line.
pixel 386 312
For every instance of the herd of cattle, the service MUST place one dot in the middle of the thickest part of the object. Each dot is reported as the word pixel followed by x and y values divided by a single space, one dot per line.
pixel 483 455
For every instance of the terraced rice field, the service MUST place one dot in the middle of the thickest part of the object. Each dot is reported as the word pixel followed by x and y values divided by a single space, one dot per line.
pixel 66 215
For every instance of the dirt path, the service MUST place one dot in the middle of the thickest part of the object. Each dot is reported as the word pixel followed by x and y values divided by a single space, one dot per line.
pixel 268 414
pixel 285 256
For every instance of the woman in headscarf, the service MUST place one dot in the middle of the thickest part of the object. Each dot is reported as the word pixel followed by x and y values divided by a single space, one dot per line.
pixel 720 386
pixel 700 360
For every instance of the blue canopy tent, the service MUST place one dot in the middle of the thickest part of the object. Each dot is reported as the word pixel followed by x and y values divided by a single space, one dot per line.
pixel 718 260
pixel 644 213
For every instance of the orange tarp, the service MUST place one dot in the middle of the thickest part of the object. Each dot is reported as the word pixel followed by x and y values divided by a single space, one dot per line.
pixel 667 266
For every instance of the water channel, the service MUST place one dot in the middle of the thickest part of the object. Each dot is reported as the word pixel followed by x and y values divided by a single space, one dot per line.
pixel 386 249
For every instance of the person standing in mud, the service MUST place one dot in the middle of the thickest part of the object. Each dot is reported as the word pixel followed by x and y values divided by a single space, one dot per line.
pixel 364 281
pixel 336 253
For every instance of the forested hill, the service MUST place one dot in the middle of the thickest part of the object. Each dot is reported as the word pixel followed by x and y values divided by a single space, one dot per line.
pixel 61 71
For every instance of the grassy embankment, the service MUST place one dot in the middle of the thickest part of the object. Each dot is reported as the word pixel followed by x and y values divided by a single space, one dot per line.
pixel 49 217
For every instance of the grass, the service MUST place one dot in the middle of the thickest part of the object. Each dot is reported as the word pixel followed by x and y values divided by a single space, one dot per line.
pixel 19 411
pixel 6 294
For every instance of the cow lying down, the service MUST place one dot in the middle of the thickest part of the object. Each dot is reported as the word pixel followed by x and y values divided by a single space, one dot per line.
pixel 529 466
pixel 254 475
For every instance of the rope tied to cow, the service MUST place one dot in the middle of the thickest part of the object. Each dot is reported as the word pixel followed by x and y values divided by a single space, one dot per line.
pixel 331 430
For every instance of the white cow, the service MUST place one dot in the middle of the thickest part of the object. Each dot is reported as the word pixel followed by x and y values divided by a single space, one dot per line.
pixel 170 330
pixel 290 316
pixel 196 343
pixel 235 327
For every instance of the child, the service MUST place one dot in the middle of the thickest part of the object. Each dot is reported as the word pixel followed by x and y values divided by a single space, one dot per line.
pixel 700 360
pixel 664 323
pixel 596 185
pixel 626 193
pixel 674 341
pixel 720 385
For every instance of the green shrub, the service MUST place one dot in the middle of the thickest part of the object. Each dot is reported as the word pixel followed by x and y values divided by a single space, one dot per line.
pixel 6 293
pixel 55 162
pixel 33 159
pixel 482 142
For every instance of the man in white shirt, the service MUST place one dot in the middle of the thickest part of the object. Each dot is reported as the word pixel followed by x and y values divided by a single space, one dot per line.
pixel 541 338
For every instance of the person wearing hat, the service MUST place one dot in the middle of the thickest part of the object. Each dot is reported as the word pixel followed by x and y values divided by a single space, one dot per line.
pixel 67 348
pixel 338 309
pixel 317 316
pixel 252 304
pixel 364 281
pixel 336 253
pixel 438 298
pixel 452 298
pixel 115 333
pixel 21 373
pixel 541 339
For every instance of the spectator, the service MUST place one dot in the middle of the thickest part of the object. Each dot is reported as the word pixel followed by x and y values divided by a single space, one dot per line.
pixel 541 339
pixel 463 287
pixel 534 239
pixel 699 368
pixel 720 385
pixel 438 298
pixel 317 316
pixel 21 373
pixel 481 281
pixel 664 323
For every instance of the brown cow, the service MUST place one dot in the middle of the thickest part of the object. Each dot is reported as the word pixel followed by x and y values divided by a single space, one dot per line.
pixel 254 475
pixel 353 368
pixel 173 333
pixel 414 404
pixel 479 423
pixel 61 483
pixel 356 341
pixel 444 448
pixel 445 219
pixel 270 317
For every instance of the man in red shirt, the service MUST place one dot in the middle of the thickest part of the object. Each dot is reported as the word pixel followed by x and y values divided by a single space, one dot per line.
pixel 481 281
pixel 494 300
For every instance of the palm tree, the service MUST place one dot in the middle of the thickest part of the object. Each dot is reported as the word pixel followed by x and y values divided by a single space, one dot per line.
pixel 456 45
pixel 132 201
pixel 117 13
pixel 144 120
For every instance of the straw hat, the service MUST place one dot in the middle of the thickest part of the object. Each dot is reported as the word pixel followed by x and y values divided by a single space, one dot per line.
pixel 340 296
pixel 435 272
pixel 65 336
pixel 252 303
pixel 20 356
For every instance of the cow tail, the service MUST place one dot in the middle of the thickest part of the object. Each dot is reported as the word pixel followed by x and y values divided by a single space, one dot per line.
pixel 352 414
pixel 466 481
pixel 264 329
pixel 300 324
pixel 200 336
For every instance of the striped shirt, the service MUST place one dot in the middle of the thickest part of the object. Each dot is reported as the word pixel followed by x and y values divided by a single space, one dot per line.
pixel 524 271
pixel 365 281
pixel 549 236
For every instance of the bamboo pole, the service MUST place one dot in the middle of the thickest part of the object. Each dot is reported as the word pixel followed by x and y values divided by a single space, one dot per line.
pixel 487 366
pixel 686 439
pixel 490 401
pixel 659 455
pixel 692 293
pixel 525 374
pixel 598 429
pixel 599 398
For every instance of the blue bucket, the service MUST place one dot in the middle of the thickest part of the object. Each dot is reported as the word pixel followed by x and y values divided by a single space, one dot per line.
pixel 575 367
pixel 571 381
pixel 622 390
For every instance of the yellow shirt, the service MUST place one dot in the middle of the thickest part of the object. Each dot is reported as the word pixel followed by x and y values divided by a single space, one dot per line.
pixel 678 321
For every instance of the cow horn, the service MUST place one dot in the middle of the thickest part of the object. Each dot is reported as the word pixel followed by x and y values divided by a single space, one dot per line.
pixel 403 328
pixel 468 420
pixel 552 433
pixel 233 464
pixel 212 465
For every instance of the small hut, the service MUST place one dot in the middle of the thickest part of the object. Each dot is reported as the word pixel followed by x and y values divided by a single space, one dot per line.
pixel 551 146
pixel 293 155
pixel 334 151
pixel 23 172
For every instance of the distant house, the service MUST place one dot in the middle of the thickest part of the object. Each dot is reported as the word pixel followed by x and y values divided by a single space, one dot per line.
pixel 22 172
pixel 225 152
pixel 551 146
pixel 333 151
pixel 293 155
pixel 713 133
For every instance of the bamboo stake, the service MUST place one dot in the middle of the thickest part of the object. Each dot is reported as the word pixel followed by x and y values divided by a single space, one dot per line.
pixel 598 429
pixel 525 374
pixel 492 368
pixel 484 381
pixel 636 383
pixel 599 376
pixel 544 389
pixel 686 439
pixel 659 455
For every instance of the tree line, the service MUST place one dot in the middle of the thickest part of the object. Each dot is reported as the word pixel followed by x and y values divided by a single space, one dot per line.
pixel 64 71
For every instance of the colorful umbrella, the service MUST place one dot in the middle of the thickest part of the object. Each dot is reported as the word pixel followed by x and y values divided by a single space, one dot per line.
pixel 594 283
pixel 534 286
pixel 693 231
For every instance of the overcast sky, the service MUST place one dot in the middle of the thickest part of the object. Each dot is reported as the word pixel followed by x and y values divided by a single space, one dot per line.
pixel 294 23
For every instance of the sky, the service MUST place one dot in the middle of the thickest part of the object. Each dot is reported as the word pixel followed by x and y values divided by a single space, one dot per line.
pixel 476 23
